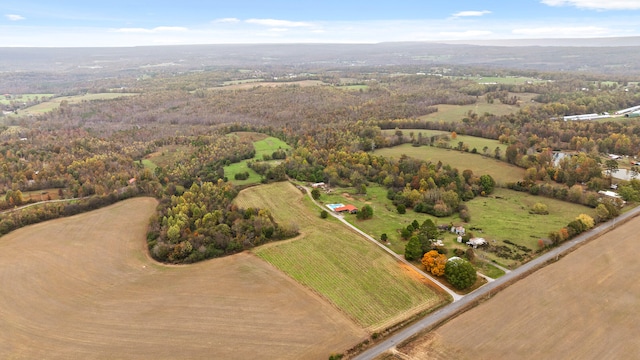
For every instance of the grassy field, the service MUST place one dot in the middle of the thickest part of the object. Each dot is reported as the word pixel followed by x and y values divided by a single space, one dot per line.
pixel 148 163
pixel 504 215
pixel 510 80
pixel 19 98
pixel 470 141
pixel 83 288
pixel 244 81
pixel 230 172
pixel 479 164
pixel 264 145
pixel 355 275
pixel 353 87
pixel 55 102
pixel 449 113
pixel 581 307
pixel 166 156
pixel 386 219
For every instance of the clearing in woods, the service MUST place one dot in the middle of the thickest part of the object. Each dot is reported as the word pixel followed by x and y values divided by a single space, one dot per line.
pixel 83 287
pixel 55 103
pixel 581 307
pixel 355 275
pixel 501 171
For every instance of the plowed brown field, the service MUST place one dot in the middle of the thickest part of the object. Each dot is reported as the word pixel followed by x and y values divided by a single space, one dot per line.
pixel 582 307
pixel 83 288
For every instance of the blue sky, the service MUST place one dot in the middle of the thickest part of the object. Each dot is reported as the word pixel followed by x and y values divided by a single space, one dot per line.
pixel 131 23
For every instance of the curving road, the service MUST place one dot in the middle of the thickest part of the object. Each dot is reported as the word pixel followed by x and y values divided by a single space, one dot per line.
pixel 434 319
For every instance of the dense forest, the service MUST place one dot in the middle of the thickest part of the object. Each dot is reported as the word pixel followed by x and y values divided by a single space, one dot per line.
pixel 92 153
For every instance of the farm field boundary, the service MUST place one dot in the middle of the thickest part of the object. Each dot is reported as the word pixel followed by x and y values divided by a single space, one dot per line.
pixel 329 258
pixel 450 312
pixel 84 287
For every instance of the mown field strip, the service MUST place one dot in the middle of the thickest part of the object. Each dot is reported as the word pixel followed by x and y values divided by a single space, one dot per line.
pixel 352 273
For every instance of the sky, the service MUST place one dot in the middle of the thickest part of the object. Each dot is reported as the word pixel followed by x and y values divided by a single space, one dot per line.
pixel 46 23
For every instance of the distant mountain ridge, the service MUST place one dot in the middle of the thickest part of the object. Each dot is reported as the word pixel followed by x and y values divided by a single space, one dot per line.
pixel 619 56
pixel 574 42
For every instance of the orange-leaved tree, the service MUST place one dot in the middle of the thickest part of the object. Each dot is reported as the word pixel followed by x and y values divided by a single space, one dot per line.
pixel 434 262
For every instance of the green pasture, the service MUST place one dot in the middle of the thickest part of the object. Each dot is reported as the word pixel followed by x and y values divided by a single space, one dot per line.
pixel 510 80
pixel 166 156
pixel 265 146
pixel 149 164
pixel 243 81
pixel 22 98
pixel 268 146
pixel 55 102
pixel 353 87
pixel 231 170
pixel 352 273
pixel 470 141
pixel 386 219
pixel 503 215
pixel 501 171
pixel 450 113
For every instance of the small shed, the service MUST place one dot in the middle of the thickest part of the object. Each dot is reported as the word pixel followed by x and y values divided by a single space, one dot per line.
pixel 476 241
pixel 459 230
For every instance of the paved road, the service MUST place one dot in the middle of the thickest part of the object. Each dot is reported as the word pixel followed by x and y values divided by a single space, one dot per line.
pixel 456 297
pixel 434 319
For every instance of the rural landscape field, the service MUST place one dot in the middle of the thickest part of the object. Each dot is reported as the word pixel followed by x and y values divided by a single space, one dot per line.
pixel 368 285
pixel 83 287
pixel 246 180
pixel 579 307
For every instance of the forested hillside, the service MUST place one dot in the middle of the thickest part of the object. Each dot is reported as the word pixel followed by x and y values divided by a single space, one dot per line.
pixel 171 141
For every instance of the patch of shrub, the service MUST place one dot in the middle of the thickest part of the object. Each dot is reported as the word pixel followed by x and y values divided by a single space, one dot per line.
pixel 401 208
pixel 539 209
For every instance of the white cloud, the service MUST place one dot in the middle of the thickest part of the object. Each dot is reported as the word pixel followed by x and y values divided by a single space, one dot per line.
pixel 471 13
pixel 242 32
pixel 14 17
pixel 155 30
pixel 596 4
pixel 278 23
pixel 227 20
pixel 555 31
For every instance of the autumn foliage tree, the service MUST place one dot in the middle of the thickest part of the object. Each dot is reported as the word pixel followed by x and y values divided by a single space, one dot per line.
pixel 434 262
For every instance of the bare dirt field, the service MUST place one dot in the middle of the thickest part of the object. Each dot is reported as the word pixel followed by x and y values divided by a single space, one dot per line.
pixel 582 307
pixel 83 288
